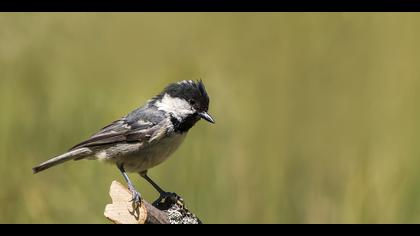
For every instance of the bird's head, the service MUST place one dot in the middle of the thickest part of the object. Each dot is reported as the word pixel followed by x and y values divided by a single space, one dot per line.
pixel 185 101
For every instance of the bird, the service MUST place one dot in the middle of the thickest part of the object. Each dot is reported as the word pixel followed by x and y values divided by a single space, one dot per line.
pixel 146 136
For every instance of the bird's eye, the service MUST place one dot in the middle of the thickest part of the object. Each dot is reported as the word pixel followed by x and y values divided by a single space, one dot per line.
pixel 192 102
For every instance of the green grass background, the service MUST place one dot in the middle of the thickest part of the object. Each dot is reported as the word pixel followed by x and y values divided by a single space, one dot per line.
pixel 318 114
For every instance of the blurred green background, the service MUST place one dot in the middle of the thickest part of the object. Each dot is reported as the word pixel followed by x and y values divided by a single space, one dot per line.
pixel 318 114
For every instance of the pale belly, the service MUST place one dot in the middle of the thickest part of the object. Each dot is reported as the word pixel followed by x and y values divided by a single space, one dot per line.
pixel 138 157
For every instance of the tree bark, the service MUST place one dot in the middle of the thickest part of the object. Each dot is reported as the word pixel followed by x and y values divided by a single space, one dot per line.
pixel 171 210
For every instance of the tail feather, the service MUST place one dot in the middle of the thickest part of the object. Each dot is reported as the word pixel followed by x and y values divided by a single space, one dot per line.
pixel 74 154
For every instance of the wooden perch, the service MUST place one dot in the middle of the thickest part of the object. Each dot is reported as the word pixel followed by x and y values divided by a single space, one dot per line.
pixel 170 210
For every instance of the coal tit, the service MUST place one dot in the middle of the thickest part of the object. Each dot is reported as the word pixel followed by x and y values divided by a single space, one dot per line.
pixel 146 136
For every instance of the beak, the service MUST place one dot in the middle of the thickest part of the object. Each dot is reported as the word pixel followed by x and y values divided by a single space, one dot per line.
pixel 206 116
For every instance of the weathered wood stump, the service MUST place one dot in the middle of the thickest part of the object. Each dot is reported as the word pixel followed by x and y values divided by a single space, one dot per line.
pixel 171 210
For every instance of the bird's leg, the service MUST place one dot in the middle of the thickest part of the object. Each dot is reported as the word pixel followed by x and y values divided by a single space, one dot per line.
pixel 162 194
pixel 136 195
pixel 159 189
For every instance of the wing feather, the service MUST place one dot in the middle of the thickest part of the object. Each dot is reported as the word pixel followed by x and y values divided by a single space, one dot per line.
pixel 138 126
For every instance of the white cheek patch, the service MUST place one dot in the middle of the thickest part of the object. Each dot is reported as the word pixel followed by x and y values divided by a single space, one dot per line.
pixel 177 106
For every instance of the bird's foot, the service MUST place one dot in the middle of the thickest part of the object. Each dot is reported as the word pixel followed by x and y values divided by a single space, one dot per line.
pixel 166 199
pixel 136 197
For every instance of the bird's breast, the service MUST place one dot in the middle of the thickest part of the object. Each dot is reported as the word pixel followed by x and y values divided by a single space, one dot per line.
pixel 150 155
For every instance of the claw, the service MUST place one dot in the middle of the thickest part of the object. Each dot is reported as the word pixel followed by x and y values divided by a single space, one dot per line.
pixel 166 197
pixel 136 197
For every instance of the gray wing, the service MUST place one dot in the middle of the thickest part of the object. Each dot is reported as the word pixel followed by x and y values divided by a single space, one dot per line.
pixel 138 126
